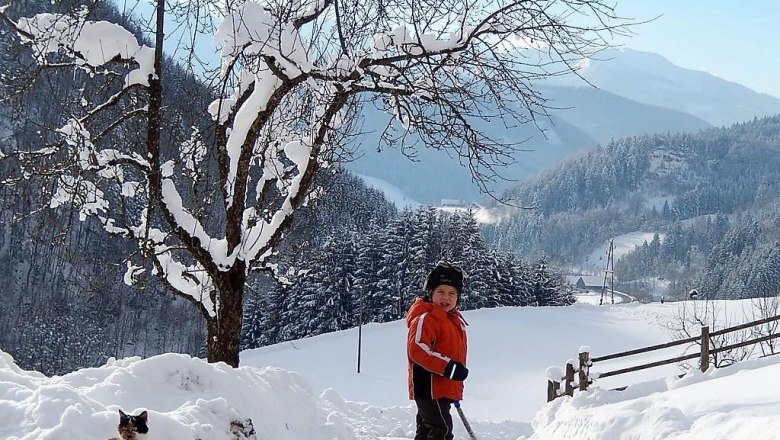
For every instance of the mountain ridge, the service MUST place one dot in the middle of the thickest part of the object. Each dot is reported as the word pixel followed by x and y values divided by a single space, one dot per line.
pixel 629 101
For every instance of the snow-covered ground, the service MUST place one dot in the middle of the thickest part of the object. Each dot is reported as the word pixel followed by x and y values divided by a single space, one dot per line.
pixel 309 389
pixel 593 297
pixel 741 402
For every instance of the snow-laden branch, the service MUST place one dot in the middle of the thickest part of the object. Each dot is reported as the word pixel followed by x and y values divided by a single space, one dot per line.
pixel 249 33
pixel 89 157
pixel 307 153
pixel 82 194
pixel 265 86
pixel 252 31
pixel 316 8
pixel 90 43
pixel 258 231
pixel 216 248
pixel 191 282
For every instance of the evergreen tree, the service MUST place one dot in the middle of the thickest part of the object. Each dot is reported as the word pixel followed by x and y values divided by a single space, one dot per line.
pixel 546 284
pixel 375 300
pixel 481 289
pixel 339 311
pixel 396 272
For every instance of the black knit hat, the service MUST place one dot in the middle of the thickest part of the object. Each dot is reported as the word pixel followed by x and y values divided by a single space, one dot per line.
pixel 445 273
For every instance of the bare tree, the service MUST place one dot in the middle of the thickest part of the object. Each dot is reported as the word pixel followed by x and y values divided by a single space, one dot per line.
pixel 762 308
pixel 692 315
pixel 293 78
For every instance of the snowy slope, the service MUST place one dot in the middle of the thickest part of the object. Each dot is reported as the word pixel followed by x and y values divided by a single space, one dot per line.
pixel 309 389
pixel 623 244
pixel 513 344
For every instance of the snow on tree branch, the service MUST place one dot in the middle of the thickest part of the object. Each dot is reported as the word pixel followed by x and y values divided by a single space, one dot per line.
pixel 217 248
pixel 253 31
pixel 83 194
pixel 90 43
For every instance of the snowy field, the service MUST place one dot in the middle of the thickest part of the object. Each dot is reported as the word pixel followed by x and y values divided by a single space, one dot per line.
pixel 309 389
pixel 594 298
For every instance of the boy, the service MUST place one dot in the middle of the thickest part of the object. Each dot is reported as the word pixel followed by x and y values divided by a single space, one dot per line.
pixel 436 348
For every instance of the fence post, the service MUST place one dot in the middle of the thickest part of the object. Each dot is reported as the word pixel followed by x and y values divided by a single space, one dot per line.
pixel 552 390
pixel 704 362
pixel 584 370
pixel 569 389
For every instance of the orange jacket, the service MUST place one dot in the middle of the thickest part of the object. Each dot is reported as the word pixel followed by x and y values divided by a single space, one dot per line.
pixel 435 337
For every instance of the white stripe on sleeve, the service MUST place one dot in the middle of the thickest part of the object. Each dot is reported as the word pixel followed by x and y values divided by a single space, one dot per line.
pixel 425 347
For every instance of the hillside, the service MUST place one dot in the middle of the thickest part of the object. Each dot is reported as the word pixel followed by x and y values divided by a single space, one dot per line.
pixel 702 191
pixel 636 93
pixel 605 116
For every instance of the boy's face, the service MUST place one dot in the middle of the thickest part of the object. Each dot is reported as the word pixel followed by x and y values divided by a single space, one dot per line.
pixel 445 297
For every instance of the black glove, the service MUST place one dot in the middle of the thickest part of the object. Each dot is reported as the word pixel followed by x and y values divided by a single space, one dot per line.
pixel 455 371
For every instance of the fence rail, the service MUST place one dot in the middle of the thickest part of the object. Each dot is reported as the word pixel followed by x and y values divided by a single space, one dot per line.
pixel 584 378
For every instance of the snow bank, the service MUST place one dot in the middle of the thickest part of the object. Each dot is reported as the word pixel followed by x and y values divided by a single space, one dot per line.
pixel 186 397
pixel 735 403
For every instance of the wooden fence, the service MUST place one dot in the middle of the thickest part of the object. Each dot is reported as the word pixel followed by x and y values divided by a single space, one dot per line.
pixel 584 361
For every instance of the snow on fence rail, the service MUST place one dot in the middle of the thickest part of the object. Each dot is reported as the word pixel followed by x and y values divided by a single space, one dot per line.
pixel 584 361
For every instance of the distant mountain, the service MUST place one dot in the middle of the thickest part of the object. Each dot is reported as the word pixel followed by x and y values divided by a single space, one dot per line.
pixel 714 197
pixel 580 118
pixel 433 175
pixel 605 116
pixel 638 93
pixel 651 79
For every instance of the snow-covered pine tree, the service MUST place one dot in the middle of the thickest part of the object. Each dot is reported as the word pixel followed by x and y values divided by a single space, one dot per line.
pixel 374 298
pixel 521 281
pixel 424 251
pixel 339 296
pixel 480 288
pixel 396 271
pixel 263 323
pixel 500 267
pixel 546 284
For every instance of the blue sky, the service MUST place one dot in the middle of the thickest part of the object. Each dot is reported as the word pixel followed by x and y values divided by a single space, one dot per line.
pixel 734 40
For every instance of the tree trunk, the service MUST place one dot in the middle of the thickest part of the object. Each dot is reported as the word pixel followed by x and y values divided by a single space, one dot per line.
pixel 224 330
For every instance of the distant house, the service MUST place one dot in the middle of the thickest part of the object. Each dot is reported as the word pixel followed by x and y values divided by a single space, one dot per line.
pixel 585 282
pixel 452 203
pixel 458 205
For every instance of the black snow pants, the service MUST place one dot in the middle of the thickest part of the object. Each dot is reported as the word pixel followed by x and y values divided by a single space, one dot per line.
pixel 434 421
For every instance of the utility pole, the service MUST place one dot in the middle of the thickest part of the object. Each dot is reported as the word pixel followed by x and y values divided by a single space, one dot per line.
pixel 609 273
pixel 611 260
pixel 360 330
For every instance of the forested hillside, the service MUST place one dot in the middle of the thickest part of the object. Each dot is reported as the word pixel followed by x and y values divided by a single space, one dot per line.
pixel 681 186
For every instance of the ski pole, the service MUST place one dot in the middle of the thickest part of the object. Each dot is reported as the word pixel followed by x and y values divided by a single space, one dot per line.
pixel 466 423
